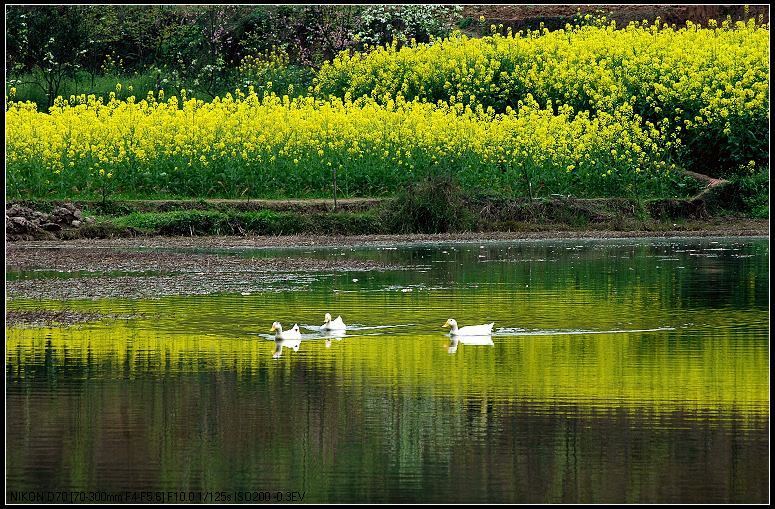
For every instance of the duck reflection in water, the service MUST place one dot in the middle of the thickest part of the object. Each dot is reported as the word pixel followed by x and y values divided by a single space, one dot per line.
pixel 333 334
pixel 455 340
pixel 279 344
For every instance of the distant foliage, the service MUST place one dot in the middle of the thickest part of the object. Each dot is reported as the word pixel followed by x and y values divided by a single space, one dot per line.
pixel 308 34
pixel 192 46
pixel 382 24
pixel 50 42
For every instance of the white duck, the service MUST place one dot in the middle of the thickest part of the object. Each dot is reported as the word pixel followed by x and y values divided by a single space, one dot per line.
pixel 289 334
pixel 330 324
pixel 469 330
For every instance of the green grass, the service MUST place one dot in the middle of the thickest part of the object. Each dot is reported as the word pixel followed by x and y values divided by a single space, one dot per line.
pixel 263 222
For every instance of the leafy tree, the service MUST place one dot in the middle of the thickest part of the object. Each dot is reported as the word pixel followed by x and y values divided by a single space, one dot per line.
pixel 49 42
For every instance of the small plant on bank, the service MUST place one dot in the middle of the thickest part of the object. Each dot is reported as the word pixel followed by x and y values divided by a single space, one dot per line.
pixel 749 190
pixel 433 205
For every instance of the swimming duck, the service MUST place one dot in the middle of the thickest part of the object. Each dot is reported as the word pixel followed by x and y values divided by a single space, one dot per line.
pixel 329 324
pixel 289 334
pixel 469 330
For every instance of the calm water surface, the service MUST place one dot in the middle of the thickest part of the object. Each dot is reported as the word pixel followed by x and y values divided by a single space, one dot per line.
pixel 618 371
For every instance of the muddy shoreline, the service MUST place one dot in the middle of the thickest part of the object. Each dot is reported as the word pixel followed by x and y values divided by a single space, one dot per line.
pixel 719 227
pixel 30 318
pixel 68 271
pixel 116 258
pixel 154 267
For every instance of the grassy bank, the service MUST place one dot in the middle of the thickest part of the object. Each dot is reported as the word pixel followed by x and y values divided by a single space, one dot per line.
pixel 416 211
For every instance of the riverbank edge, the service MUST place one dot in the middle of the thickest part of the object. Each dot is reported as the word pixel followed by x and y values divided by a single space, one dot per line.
pixel 364 220
pixel 747 228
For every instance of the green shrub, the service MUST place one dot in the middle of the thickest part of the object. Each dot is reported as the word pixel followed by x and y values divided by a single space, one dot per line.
pixel 433 205
pixel 748 191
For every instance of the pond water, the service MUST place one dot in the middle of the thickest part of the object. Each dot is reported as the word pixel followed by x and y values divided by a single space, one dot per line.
pixel 618 371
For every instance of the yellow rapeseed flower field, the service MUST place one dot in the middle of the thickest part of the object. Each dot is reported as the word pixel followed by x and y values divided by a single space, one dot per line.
pixel 246 145
pixel 710 84
pixel 588 111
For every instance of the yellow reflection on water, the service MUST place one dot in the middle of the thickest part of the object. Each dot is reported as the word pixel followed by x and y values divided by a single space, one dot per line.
pixel 664 370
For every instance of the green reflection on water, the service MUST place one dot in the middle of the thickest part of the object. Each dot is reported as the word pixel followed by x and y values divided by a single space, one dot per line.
pixel 631 371
pixel 563 312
